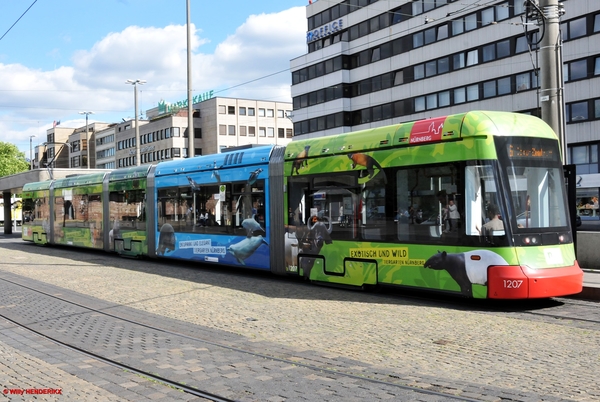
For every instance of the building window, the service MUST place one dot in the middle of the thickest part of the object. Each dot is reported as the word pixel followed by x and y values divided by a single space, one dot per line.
pixel 430 35
pixel 458 26
pixel 459 96
pixel 250 111
pixel 176 152
pixel 251 131
pixel 472 58
pixel 577 112
pixel 444 98
pixel 472 93
pixel 487 16
pixel 458 61
pixel 231 130
pixel 504 86
pixel 270 113
pixel 471 22
pixel 431 68
pixel 262 132
pixel 585 157
pixel 418 40
pixel 489 89
pixel 242 111
pixel 197 132
pixel 288 133
pixel 270 132
pixel 230 109
pixel 261 112
pixel 576 70
pixel 222 129
pixel 280 133
pixel 419 103
pixel 419 72
pixel 175 132
pixel 523 82
pixel 280 113
pixel 222 109
pixel 432 101
pixel 574 29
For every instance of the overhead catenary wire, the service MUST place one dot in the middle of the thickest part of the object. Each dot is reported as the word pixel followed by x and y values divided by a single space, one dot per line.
pixel 18 19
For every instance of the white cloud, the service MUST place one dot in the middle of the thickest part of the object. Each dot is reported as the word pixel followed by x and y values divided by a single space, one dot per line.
pixel 31 99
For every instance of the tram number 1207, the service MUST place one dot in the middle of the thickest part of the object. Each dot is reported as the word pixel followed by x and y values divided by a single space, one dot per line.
pixel 512 284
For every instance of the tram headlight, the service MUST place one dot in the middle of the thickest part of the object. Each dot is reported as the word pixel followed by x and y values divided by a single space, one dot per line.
pixel 531 241
pixel 564 238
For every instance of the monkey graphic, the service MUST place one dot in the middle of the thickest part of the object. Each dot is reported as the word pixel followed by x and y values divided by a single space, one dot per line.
pixel 368 162
pixel 301 160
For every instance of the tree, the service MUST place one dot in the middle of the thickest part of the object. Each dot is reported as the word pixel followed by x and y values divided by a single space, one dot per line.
pixel 11 160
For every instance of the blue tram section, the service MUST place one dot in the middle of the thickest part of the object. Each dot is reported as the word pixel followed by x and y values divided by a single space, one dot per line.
pixel 217 208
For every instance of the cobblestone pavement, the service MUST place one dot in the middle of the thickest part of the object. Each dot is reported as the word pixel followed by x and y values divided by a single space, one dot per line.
pixel 488 356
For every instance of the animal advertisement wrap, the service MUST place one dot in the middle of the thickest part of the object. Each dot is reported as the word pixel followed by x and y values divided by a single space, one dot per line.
pixel 318 258
pixel 250 251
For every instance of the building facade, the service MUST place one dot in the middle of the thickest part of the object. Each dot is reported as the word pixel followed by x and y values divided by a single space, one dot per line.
pixel 105 147
pixel 371 63
pixel 219 123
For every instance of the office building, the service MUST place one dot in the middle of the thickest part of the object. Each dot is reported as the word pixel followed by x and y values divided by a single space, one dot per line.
pixel 371 63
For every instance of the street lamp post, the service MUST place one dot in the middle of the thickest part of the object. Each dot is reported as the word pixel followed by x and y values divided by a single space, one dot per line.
pixel 50 163
pixel 31 151
pixel 87 142
pixel 191 149
pixel 137 129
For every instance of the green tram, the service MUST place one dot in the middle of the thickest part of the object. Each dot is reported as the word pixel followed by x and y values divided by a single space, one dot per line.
pixel 472 204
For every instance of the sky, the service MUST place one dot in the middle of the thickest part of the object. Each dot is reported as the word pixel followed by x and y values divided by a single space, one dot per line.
pixel 62 57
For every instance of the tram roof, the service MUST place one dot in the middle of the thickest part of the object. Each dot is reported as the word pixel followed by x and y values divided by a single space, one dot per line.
pixel 134 172
pixel 86 179
pixel 236 157
pixel 423 132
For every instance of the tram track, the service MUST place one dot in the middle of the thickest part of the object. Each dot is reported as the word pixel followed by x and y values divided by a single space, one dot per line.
pixel 165 381
pixel 564 310
pixel 373 379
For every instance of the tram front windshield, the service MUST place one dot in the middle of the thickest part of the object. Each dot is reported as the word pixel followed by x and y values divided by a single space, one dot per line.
pixel 532 168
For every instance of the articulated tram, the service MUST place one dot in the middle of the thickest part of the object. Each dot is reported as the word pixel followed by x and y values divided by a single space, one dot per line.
pixel 471 204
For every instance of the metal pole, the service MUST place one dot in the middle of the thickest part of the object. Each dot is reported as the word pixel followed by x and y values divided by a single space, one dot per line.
pixel 87 139
pixel 87 142
pixel 31 151
pixel 551 85
pixel 189 86
pixel 137 128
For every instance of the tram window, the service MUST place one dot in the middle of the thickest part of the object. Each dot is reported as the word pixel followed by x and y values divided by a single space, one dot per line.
pixel 197 209
pixel 376 221
pixel 248 203
pixel 127 209
pixel 172 207
pixel 42 210
pixel 538 197
pixel 27 208
pixel 423 197
pixel 331 200
pixel 484 216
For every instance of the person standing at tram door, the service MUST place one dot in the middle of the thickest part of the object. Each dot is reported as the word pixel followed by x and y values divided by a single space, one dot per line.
pixel 453 216
pixel 341 217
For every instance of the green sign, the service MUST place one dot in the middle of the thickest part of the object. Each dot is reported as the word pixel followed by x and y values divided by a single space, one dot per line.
pixel 164 107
